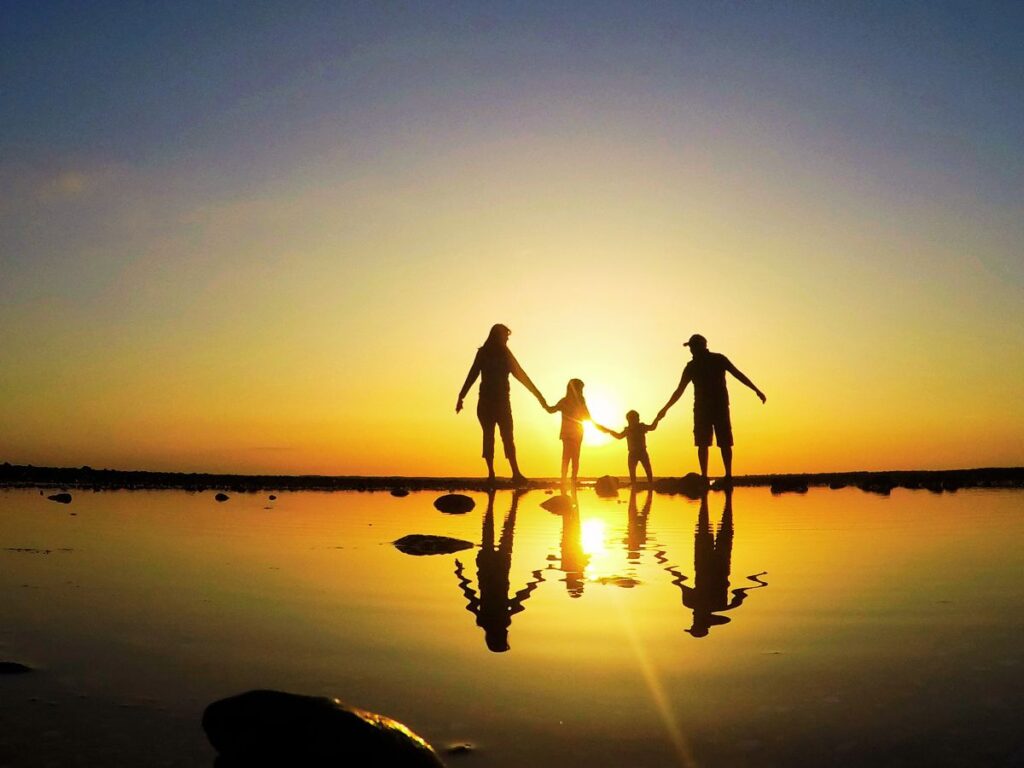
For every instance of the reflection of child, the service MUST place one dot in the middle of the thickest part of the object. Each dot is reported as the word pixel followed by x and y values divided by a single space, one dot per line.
pixel 574 413
pixel 636 441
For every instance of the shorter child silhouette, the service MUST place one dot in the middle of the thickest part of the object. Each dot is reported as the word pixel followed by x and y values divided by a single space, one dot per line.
pixel 636 441
pixel 574 413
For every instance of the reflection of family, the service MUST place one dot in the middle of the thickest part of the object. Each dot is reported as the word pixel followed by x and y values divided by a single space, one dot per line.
pixel 494 362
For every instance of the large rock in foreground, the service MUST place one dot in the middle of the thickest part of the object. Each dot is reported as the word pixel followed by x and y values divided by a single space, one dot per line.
pixel 454 504
pixel 13 668
pixel 422 544
pixel 276 728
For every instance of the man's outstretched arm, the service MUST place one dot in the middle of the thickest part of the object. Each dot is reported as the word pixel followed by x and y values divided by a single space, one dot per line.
pixel 739 375
pixel 474 371
pixel 520 374
pixel 683 381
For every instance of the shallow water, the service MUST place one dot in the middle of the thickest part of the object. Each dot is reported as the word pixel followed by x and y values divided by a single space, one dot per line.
pixel 834 628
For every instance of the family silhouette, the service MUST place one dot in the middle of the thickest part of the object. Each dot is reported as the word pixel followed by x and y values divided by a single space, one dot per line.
pixel 707 370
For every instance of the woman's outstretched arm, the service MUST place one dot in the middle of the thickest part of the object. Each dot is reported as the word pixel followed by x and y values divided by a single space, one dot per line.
pixel 517 371
pixel 474 371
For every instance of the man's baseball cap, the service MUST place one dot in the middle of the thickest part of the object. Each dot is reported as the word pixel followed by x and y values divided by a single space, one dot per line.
pixel 696 340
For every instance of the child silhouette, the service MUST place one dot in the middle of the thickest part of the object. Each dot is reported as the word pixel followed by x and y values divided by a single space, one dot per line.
pixel 574 412
pixel 636 440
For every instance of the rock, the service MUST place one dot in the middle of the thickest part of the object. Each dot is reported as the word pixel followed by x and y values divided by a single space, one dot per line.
pixel 787 485
pixel 60 498
pixel 276 728
pixel 837 485
pixel 272 497
pixel 13 668
pixel 462 748
pixel 879 487
pixel 454 504
pixel 421 544
pixel 221 497
pixel 691 485
pixel 558 504
pixel 400 492
pixel 607 486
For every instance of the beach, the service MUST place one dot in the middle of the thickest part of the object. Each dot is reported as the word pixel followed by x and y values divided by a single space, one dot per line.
pixel 856 627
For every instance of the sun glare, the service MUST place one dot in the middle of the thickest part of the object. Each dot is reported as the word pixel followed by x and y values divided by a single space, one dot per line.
pixel 592 541
pixel 604 412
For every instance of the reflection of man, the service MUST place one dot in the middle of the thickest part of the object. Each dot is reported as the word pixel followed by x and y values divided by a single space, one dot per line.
pixel 492 607
pixel 712 562
pixel 710 401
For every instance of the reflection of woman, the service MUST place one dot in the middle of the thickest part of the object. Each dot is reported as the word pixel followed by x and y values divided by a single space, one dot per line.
pixel 493 607
pixel 493 363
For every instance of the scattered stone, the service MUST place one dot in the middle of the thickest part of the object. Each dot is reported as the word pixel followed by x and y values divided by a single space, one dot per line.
pixel 400 492
pixel 60 498
pixel 874 486
pixel 13 668
pixel 221 497
pixel 422 544
pixel 463 748
pixel 272 497
pixel 607 486
pixel 454 504
pixel 690 485
pixel 276 728
pixel 558 504
pixel 837 485
pixel 787 485
pixel 548 492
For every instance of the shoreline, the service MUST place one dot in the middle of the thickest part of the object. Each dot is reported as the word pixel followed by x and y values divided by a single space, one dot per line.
pixel 86 478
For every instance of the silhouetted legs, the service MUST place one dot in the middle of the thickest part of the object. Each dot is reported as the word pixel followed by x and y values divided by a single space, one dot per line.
pixel 645 462
pixel 498 415
pixel 702 458
pixel 570 455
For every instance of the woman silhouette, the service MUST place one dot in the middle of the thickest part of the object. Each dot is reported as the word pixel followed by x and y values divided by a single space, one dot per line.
pixel 493 363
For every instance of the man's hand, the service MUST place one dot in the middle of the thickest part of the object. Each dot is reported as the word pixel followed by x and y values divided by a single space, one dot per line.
pixel 458 406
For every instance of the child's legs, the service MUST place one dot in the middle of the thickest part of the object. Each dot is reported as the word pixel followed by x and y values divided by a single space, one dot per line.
pixel 632 470
pixel 566 456
pixel 571 453
pixel 645 461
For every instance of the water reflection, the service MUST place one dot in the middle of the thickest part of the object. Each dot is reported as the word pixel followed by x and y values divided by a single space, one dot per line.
pixel 636 525
pixel 492 605
pixel 573 556
pixel 709 596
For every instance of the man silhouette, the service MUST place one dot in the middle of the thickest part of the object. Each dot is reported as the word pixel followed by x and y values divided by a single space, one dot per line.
pixel 710 401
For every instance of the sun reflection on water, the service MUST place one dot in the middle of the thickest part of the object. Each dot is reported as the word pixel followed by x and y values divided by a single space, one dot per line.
pixel 593 541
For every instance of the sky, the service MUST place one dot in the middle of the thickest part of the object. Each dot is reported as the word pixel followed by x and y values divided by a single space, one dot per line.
pixel 268 237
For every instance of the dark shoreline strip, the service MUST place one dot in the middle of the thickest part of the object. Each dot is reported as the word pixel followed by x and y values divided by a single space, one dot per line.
pixel 24 476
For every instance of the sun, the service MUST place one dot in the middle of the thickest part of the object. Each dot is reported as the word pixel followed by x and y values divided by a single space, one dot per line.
pixel 605 412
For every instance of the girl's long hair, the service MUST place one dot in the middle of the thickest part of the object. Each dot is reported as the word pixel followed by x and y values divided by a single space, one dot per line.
pixel 496 338
pixel 574 391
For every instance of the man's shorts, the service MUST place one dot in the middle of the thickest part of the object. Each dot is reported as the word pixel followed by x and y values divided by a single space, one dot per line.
pixel 708 421
pixel 491 414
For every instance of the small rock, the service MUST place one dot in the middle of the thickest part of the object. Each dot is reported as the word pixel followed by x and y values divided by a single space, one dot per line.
pixel 558 504
pixel 837 485
pixel 275 728
pixel 463 748
pixel 221 497
pixel 60 498
pixel 272 497
pixel 690 485
pixel 454 504
pixel 786 485
pixel 422 544
pixel 13 668
pixel 607 486
pixel 400 492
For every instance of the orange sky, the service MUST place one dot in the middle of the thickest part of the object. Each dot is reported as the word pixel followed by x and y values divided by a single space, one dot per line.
pixel 294 277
